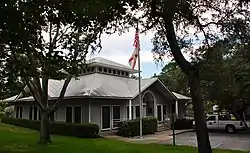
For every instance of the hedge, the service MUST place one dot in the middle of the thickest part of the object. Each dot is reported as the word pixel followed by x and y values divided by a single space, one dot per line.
pixel 181 124
pixel 132 127
pixel 81 130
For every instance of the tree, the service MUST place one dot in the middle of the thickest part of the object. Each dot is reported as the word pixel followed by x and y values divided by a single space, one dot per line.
pixel 172 21
pixel 225 76
pixel 50 40
pixel 173 77
pixel 10 82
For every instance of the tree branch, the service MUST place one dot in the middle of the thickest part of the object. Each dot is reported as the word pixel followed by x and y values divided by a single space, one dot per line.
pixel 152 25
pixel 34 66
pixel 56 35
pixel 53 43
pixel 28 81
pixel 67 81
pixel 50 33
pixel 154 11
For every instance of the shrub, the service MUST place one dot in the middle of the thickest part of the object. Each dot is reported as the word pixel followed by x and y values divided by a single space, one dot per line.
pixel 181 124
pixel 132 128
pixel 2 114
pixel 82 130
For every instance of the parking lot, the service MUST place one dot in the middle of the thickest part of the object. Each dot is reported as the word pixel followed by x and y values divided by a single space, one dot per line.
pixel 221 140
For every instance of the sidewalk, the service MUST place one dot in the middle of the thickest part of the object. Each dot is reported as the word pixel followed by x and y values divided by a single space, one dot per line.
pixel 154 138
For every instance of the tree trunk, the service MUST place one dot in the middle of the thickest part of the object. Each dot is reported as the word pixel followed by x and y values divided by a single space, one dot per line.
pixel 192 73
pixel 44 129
pixel 199 115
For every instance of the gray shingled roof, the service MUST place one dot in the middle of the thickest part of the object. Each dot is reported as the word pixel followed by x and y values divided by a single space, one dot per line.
pixel 96 85
pixel 101 85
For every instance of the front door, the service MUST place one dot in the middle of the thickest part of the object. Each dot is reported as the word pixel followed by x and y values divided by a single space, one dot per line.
pixel 116 116
pixel 106 117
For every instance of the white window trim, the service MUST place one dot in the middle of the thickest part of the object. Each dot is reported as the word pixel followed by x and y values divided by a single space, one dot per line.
pixel 72 114
pixel 18 113
pixel 132 111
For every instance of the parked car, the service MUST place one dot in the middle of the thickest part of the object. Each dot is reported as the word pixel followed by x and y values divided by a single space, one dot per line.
pixel 225 122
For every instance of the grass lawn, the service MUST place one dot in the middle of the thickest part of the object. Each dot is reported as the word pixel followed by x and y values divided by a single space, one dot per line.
pixel 20 140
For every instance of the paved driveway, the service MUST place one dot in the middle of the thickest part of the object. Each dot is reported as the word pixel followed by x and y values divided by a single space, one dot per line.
pixel 237 141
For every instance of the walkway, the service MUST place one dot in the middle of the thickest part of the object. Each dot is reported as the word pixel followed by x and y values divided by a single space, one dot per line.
pixel 155 138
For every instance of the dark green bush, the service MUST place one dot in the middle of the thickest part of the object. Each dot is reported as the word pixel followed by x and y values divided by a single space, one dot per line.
pixel 181 124
pixel 82 130
pixel 132 128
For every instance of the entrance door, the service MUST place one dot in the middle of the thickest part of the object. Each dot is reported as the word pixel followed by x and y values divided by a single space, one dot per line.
pixel 106 117
pixel 116 116
pixel 159 113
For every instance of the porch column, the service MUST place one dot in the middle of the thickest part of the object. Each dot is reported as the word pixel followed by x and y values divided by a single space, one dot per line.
pixel 155 109
pixel 176 108
pixel 89 112
pixel 130 109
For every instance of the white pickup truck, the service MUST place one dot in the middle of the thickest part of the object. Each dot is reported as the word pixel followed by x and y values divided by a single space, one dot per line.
pixel 224 122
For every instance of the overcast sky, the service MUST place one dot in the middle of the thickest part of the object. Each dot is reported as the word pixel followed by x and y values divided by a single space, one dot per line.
pixel 119 49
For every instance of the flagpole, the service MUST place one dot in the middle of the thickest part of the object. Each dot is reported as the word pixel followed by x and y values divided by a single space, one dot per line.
pixel 140 98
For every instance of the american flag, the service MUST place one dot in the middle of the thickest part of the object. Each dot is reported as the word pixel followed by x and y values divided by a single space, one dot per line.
pixel 133 58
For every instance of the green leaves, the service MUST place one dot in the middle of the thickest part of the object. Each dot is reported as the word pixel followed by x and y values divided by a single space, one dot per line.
pixel 173 77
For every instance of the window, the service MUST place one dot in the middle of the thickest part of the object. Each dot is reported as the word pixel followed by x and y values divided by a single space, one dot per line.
pixel 78 115
pixel 164 110
pixel 52 117
pixel 159 113
pixel 35 113
pixel 132 112
pixel 122 72
pixel 116 116
pixel 110 71
pixel 128 112
pixel 21 112
pixel 137 111
pixel 211 118
pixel 118 72
pixel 224 117
pixel 68 114
pixel 30 112
pixel 100 69
pixel 173 108
pixel 39 114
pixel 116 112
pixel 17 111
pixel 87 70
pixel 90 70
pixel 114 71
pixel 127 74
pixel 105 70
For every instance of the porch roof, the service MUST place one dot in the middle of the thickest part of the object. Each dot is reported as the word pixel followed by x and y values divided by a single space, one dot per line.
pixel 181 97
pixel 100 85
